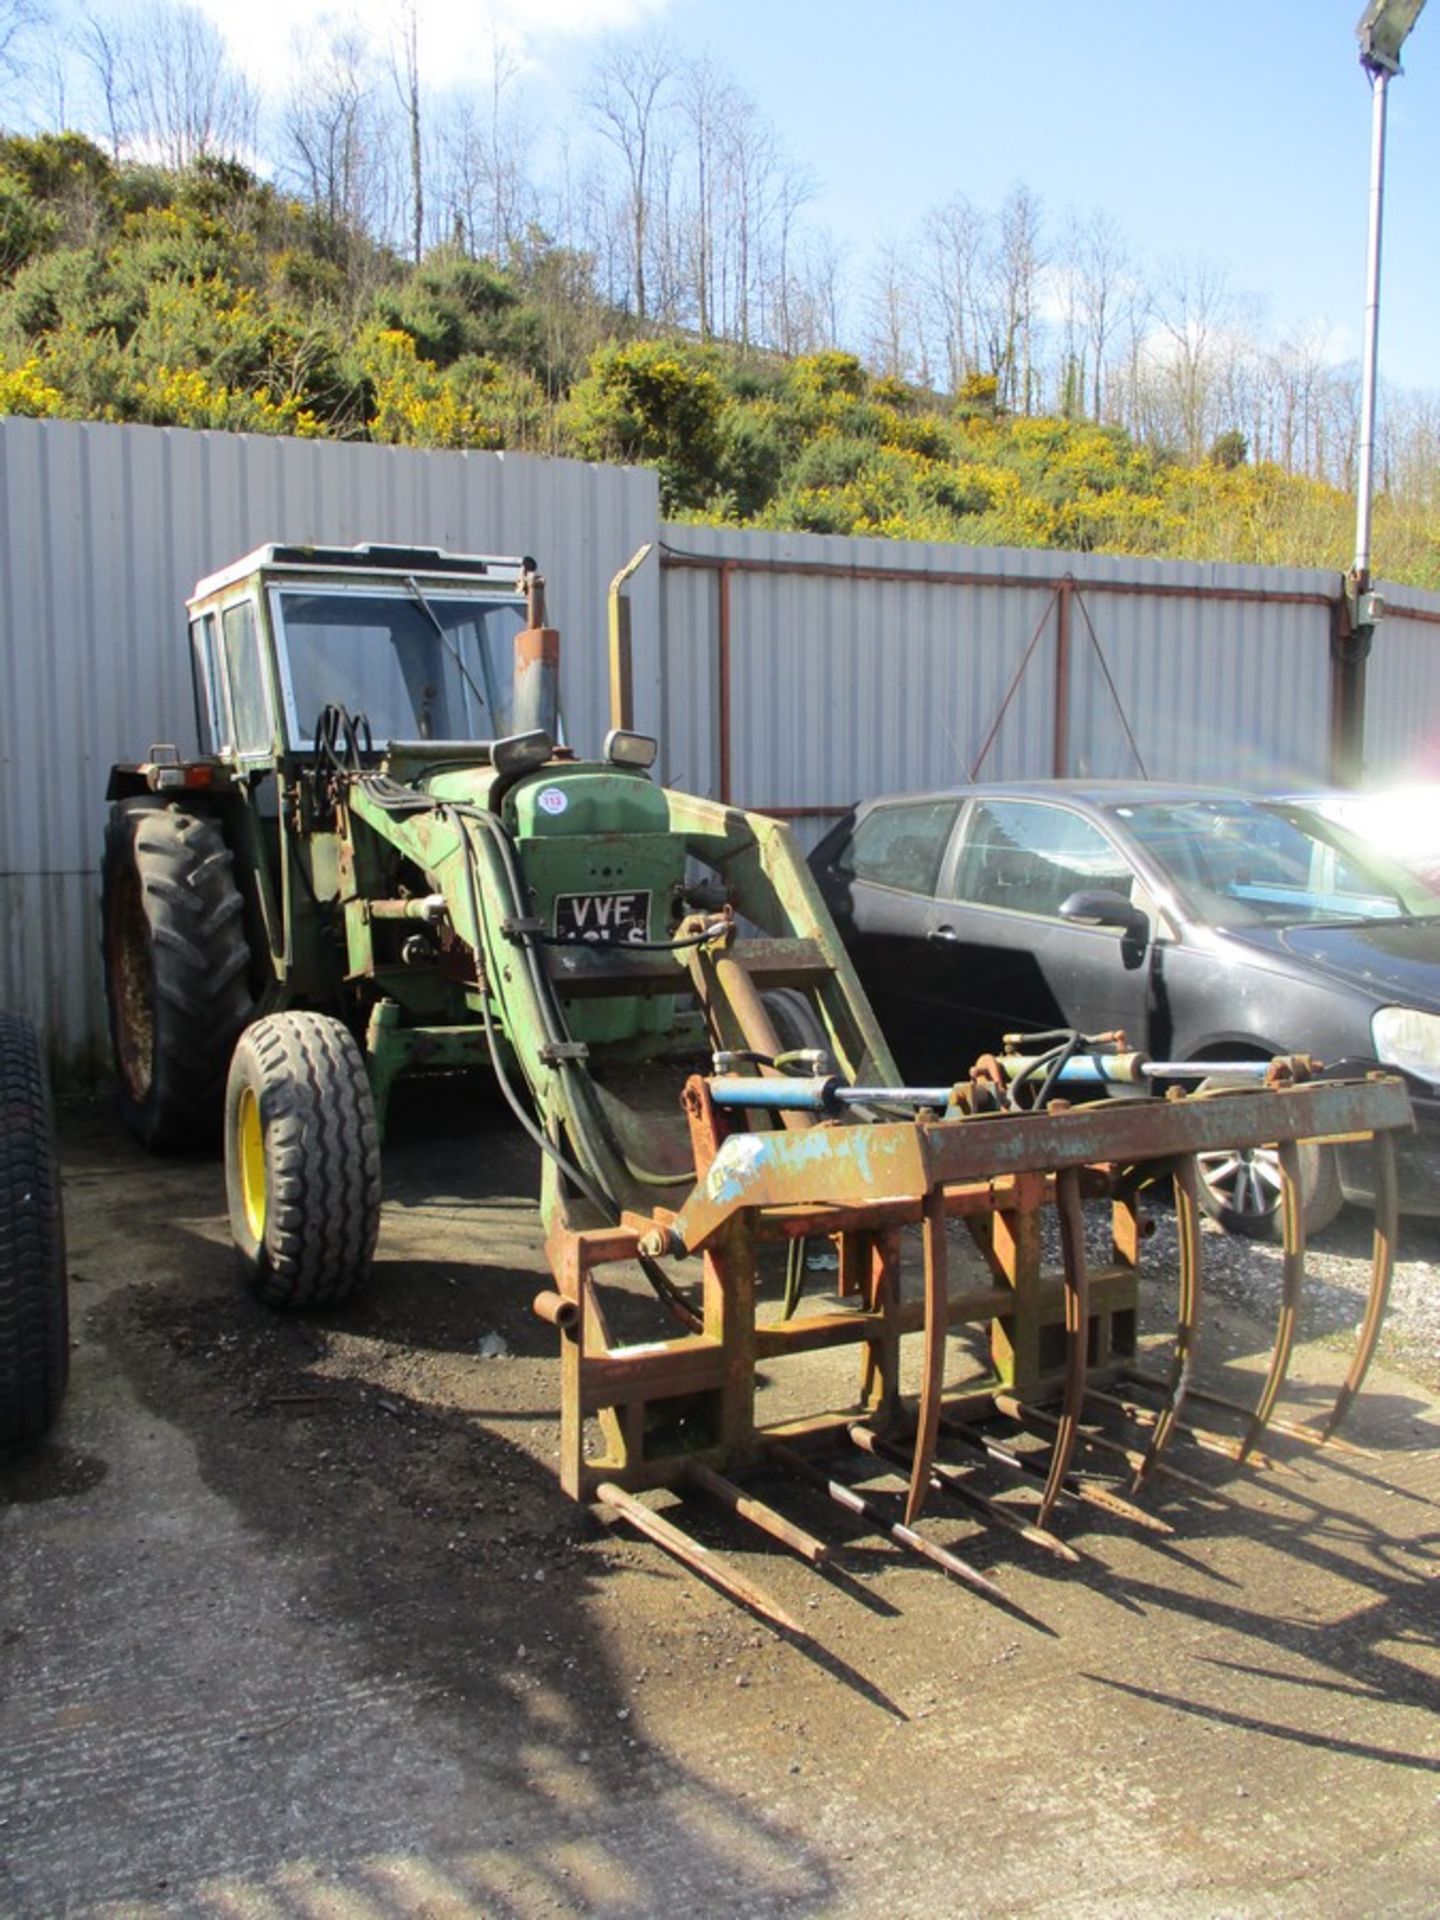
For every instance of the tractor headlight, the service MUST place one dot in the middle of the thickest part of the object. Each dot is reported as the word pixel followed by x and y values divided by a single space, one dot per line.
pixel 1407 1038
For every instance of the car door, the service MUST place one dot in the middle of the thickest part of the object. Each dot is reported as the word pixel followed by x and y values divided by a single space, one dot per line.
pixel 879 883
pixel 1010 962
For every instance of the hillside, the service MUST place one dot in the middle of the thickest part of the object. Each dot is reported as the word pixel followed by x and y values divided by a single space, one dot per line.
pixel 207 298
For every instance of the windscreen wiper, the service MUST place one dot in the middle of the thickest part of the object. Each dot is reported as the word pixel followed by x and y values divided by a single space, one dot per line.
pixel 412 586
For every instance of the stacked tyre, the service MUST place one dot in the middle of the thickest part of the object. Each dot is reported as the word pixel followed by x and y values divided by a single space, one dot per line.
pixel 34 1311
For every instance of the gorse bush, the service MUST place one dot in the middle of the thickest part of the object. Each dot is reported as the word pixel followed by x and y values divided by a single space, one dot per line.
pixel 207 298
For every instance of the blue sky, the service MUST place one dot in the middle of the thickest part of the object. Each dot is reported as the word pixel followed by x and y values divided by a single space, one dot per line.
pixel 1237 133
pixel 1234 133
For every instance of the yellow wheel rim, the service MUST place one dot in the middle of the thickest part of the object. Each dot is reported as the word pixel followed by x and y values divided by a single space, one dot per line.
pixel 251 1143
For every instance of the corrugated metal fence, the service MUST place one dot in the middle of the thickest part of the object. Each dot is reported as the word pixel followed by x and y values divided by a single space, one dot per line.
pixel 801 672
pixel 792 673
pixel 104 531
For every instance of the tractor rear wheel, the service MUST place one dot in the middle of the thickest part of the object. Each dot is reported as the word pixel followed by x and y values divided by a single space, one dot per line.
pixel 176 968
pixel 797 1025
pixel 34 1313
pixel 302 1160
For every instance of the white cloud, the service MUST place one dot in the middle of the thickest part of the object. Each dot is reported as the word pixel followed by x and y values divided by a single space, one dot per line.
pixel 456 37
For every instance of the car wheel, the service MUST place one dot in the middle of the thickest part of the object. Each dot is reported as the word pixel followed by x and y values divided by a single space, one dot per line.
pixel 1240 1187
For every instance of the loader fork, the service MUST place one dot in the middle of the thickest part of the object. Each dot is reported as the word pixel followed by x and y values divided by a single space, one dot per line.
pixel 1065 1380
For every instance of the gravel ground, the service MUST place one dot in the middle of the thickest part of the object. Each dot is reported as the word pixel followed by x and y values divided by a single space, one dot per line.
pixel 296 1624
pixel 1337 1281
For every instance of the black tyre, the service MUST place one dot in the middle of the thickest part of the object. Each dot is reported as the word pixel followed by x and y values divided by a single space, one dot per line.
pixel 797 1025
pixel 34 1312
pixel 1240 1188
pixel 302 1160
pixel 176 969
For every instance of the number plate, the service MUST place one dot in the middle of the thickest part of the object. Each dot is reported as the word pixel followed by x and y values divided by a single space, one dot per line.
pixel 614 919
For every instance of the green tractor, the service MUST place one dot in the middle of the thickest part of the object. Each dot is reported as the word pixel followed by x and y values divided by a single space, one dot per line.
pixel 387 862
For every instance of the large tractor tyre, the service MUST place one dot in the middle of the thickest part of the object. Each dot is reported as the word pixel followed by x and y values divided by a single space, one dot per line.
pixel 1240 1187
pixel 34 1312
pixel 797 1025
pixel 177 969
pixel 302 1160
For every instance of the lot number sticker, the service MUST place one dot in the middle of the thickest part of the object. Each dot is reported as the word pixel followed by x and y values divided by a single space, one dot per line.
pixel 552 800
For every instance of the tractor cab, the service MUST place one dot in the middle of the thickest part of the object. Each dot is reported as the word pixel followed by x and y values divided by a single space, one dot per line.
pixel 413 643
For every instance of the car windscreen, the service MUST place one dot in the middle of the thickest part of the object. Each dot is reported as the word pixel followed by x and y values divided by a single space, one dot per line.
pixel 1239 863
pixel 439 667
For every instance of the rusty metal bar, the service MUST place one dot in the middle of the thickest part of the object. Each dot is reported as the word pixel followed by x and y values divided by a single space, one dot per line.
pixel 1205 1438
pixel 1060 750
pixel 1226 1403
pixel 932 1371
pixel 903 1536
pixel 1186 1181
pixel 1037 1420
pixel 807 1545
pixel 1077 1330
pixel 1387 1215
pixel 556 1309
pixel 840 1166
pixel 677 558
pixel 1075 1489
pixel 943 1480
pixel 1013 687
pixel 1292 1277
pixel 692 1554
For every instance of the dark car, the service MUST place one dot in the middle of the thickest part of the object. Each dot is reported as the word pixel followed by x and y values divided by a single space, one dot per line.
pixel 1204 924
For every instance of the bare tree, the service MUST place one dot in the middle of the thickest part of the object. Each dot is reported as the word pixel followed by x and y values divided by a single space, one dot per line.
pixel 955 238
pixel 101 48
pixel 750 163
pixel 628 98
pixel 1018 263
pixel 795 186
pixel 333 143
pixel 817 298
pixel 1101 261
pixel 1195 302
pixel 20 25
pixel 896 334
pixel 405 75
pixel 492 202
pixel 186 96
pixel 706 106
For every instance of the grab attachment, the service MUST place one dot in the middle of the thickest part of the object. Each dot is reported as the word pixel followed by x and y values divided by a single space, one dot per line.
pixel 884 1174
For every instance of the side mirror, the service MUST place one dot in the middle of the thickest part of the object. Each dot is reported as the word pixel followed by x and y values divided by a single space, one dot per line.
pixel 1103 907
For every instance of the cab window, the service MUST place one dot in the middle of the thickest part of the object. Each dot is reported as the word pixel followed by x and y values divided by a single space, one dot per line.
pixel 248 705
pixel 211 724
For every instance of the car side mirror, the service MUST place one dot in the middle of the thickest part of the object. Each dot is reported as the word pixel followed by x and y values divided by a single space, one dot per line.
pixel 1103 907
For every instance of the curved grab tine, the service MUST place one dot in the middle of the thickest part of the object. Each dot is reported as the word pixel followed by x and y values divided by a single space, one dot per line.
pixel 1187 1312
pixel 937 1326
pixel 1292 1280
pixel 1387 1215
pixel 1077 1333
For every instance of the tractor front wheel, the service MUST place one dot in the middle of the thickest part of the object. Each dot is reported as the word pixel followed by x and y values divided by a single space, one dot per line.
pixel 302 1160
pixel 34 1314
pixel 176 968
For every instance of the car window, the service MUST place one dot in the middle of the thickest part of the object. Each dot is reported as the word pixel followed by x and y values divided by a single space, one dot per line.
pixel 1242 862
pixel 901 844
pixel 1028 856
